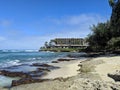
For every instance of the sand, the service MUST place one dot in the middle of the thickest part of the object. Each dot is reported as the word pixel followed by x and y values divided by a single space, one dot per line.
pixel 110 65
pixel 75 82
pixel 67 69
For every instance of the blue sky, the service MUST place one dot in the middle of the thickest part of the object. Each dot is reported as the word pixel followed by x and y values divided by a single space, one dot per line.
pixel 27 24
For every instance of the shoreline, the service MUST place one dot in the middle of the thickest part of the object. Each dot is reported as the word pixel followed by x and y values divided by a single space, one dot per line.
pixel 67 69
pixel 91 71
pixel 62 63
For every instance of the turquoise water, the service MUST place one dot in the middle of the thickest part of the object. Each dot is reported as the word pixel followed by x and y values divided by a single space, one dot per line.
pixel 6 81
pixel 25 58
pixel 18 57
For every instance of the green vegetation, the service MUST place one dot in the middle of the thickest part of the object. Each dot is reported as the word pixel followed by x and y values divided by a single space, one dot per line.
pixel 62 49
pixel 111 3
pixel 65 45
pixel 114 43
pixel 99 36
pixel 106 36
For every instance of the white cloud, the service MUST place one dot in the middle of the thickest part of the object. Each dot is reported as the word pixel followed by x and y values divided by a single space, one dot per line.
pixel 28 42
pixel 77 25
pixel 79 19
pixel 68 26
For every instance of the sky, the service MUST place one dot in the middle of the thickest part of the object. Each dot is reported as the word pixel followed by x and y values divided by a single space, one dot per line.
pixel 27 24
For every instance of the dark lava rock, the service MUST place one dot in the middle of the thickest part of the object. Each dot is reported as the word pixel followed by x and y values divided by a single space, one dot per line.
pixel 37 74
pixel 43 69
pixel 27 73
pixel 41 65
pixel 54 61
pixel 115 75
pixel 26 81
pixel 66 59
pixel 14 74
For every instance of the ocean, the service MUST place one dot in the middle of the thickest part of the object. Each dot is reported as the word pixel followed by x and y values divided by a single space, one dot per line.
pixel 10 58
pixel 17 57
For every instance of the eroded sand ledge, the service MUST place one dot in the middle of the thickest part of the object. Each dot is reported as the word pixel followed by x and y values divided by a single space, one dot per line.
pixel 94 75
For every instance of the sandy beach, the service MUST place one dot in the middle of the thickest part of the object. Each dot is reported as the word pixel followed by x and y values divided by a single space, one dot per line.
pixel 93 74
pixel 67 69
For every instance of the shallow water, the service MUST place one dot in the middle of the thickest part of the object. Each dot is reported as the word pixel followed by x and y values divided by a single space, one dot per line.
pixel 12 57
pixel 23 59
pixel 21 68
pixel 6 81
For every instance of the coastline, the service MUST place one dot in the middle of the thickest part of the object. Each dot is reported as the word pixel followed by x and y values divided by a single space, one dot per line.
pixel 67 69
pixel 101 67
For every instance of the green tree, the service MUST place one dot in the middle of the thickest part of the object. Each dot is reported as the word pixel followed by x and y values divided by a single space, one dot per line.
pixel 115 19
pixel 99 36
pixel 114 43
pixel 107 35
pixel 112 3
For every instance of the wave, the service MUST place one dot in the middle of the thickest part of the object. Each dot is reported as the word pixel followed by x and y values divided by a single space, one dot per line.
pixel 16 62
pixel 31 50
pixel 7 51
pixel 37 58
pixel 10 63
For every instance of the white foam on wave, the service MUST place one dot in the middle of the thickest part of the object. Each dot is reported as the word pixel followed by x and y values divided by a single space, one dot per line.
pixel 15 62
pixel 10 63
pixel 37 58
pixel 13 50
pixel 31 50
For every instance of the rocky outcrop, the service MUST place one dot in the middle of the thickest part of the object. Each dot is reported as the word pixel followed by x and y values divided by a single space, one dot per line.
pixel 41 69
pixel 14 74
pixel 65 59
pixel 67 84
pixel 29 76
pixel 26 81
pixel 41 65
pixel 115 75
pixel 87 84
pixel 54 61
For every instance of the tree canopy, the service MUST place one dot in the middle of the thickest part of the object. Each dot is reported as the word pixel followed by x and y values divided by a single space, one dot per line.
pixel 107 35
